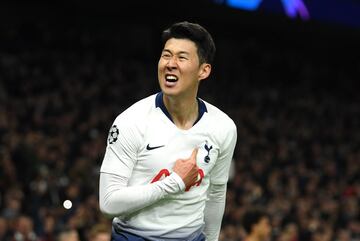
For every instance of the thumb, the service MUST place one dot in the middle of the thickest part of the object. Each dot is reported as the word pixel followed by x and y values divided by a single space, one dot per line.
pixel 193 154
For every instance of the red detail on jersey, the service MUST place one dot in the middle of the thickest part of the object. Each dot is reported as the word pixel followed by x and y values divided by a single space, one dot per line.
pixel 163 172
pixel 201 174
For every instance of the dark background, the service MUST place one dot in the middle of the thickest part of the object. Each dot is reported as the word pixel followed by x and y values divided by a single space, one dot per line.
pixel 68 69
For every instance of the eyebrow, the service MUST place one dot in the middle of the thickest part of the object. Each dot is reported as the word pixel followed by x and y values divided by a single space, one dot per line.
pixel 181 52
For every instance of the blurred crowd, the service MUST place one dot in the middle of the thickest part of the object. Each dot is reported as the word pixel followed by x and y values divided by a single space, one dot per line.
pixel 297 112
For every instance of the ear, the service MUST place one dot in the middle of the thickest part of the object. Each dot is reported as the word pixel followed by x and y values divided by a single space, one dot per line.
pixel 204 71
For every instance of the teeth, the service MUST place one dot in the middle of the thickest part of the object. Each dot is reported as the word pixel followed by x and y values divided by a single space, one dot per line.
pixel 171 78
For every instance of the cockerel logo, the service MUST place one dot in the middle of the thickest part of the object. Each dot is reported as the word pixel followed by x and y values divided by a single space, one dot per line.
pixel 208 149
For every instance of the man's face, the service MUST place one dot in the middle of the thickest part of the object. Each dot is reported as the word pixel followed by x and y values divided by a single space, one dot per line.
pixel 179 69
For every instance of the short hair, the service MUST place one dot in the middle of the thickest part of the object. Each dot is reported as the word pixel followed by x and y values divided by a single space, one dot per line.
pixel 252 217
pixel 196 33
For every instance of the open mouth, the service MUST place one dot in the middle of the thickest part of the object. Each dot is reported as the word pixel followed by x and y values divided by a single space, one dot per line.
pixel 171 78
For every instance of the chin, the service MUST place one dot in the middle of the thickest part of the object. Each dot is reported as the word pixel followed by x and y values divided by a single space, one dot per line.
pixel 169 91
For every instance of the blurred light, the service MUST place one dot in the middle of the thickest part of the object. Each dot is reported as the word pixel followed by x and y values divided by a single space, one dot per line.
pixel 293 8
pixel 67 204
pixel 244 4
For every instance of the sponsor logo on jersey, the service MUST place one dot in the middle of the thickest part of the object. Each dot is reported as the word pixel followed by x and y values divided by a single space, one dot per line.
pixel 149 148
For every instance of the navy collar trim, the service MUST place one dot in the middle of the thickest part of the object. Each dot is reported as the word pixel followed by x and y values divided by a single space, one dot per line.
pixel 159 102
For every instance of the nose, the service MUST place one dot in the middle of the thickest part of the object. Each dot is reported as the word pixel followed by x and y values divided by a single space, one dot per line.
pixel 171 63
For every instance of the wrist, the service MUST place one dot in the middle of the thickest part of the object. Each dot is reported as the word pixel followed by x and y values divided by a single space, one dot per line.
pixel 178 180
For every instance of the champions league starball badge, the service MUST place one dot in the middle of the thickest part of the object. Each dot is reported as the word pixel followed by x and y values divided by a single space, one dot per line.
pixel 113 134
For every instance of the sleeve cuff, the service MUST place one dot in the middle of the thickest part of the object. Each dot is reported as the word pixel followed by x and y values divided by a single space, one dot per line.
pixel 178 180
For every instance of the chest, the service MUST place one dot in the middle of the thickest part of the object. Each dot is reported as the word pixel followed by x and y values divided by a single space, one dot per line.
pixel 164 145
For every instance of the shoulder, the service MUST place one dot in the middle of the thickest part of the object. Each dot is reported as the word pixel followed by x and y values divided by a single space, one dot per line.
pixel 134 120
pixel 131 123
pixel 219 119
pixel 221 127
pixel 138 112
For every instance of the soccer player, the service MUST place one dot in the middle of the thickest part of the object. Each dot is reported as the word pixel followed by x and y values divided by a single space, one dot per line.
pixel 256 223
pixel 167 160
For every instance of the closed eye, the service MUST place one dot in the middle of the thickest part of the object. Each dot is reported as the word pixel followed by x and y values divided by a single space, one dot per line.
pixel 166 55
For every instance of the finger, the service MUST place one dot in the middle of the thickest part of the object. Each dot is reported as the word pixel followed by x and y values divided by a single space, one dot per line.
pixel 193 154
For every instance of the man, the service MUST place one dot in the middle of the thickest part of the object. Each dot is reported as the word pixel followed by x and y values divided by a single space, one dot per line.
pixel 24 229
pixel 100 232
pixel 168 156
pixel 68 235
pixel 257 225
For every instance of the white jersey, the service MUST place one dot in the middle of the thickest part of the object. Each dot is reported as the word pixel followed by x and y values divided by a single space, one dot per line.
pixel 143 146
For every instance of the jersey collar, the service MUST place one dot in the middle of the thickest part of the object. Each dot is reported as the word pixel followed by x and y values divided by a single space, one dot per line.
pixel 159 102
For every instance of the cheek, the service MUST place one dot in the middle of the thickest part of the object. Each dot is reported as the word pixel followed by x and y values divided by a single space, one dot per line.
pixel 160 68
pixel 188 70
pixel 161 64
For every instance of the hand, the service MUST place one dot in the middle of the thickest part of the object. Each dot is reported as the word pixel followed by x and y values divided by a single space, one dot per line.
pixel 187 169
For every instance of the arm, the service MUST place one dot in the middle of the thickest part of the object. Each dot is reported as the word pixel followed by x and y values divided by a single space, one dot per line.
pixel 214 211
pixel 219 176
pixel 118 199
pixel 115 196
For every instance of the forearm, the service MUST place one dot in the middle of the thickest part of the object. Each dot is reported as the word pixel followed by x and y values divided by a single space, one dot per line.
pixel 214 211
pixel 118 199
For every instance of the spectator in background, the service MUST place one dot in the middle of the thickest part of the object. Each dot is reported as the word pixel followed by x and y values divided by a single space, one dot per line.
pixel 12 203
pixel 24 229
pixel 49 233
pixel 100 232
pixel 68 235
pixel 256 223
pixel 4 229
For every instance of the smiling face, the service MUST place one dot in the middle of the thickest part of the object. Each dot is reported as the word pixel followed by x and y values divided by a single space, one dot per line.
pixel 179 68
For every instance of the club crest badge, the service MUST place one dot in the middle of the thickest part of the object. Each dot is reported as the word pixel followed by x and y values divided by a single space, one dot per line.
pixel 208 149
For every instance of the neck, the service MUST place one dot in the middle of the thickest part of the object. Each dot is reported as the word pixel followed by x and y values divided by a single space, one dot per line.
pixel 184 112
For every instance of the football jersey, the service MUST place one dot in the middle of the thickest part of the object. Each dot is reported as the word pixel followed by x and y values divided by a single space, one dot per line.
pixel 143 146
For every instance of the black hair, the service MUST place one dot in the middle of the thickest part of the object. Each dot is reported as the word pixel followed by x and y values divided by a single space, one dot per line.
pixel 196 33
pixel 252 217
